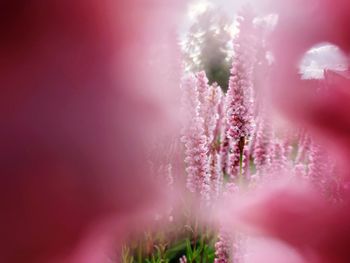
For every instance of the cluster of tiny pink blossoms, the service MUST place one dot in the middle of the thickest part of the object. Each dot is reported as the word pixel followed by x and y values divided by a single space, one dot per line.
pixel 183 259
pixel 261 144
pixel 202 158
pixel 195 141
pixel 221 126
pixel 223 248
pixel 230 142
pixel 239 98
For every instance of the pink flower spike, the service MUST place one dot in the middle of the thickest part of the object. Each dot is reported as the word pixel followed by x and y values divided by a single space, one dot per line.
pixel 223 248
pixel 196 144
pixel 202 87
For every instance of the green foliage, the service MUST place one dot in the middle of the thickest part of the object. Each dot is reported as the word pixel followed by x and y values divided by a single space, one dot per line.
pixel 126 256
pixel 207 47
pixel 198 248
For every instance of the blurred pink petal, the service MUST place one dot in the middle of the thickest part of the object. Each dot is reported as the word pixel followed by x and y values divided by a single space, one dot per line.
pixel 303 219
pixel 76 107
pixel 264 250
pixel 302 25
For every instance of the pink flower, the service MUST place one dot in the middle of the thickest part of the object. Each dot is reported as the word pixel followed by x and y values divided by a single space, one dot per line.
pixel 279 161
pixel 190 103
pixel 234 162
pixel 196 145
pixel 216 178
pixel 223 248
pixel 213 126
pixel 224 141
pixel 322 172
pixel 324 111
pixel 77 108
pixel 183 259
pixel 262 146
pixel 303 147
pixel 203 90
pixel 299 215
pixel 239 95
pixel 211 115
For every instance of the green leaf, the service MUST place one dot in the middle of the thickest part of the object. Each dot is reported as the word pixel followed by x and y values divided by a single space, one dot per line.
pixel 189 251
pixel 175 250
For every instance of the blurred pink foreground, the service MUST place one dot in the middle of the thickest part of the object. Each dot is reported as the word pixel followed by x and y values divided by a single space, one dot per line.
pixel 79 101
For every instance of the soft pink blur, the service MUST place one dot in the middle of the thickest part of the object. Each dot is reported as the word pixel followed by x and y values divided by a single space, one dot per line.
pixel 77 106
pixel 299 215
pixel 302 25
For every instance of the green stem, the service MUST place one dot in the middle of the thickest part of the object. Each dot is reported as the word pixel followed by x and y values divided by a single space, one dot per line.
pixel 241 145
pixel 240 178
pixel 202 247
pixel 195 234
pixel 139 253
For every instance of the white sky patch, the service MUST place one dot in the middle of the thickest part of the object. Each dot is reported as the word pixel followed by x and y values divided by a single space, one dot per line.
pixel 324 56
pixel 197 8
pixel 233 29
